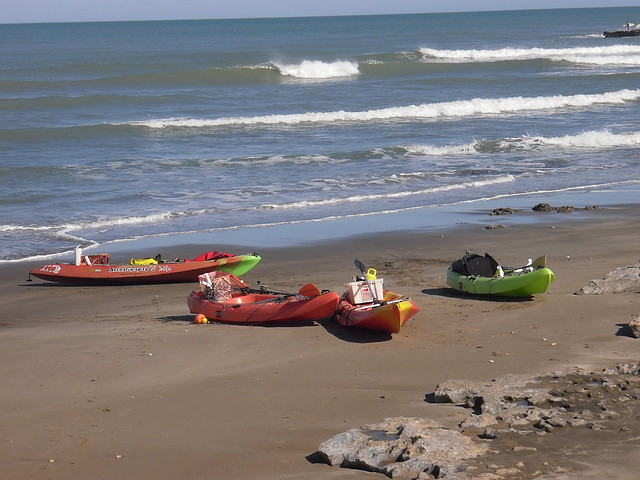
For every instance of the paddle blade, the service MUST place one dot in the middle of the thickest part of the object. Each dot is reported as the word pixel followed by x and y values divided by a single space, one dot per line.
pixel 540 262
pixel 360 266
pixel 309 290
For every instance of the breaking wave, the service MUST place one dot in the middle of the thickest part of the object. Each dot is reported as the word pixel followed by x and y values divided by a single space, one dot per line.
pixel 609 55
pixel 426 111
pixel 92 224
pixel 603 139
pixel 382 196
pixel 315 69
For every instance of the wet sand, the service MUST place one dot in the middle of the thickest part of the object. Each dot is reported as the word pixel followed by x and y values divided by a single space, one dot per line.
pixel 117 382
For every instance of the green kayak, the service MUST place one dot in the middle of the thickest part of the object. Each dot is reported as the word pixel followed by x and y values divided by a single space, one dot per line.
pixel 483 275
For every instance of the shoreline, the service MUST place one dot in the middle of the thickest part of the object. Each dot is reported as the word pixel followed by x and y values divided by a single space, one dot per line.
pixel 424 219
pixel 117 382
pixel 482 222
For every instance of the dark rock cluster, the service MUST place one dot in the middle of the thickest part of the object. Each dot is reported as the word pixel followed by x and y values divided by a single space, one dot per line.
pixel 503 211
pixel 545 207
pixel 541 207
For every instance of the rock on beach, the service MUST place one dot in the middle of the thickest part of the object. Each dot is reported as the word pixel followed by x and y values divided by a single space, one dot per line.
pixel 623 279
pixel 401 447
pixel 507 416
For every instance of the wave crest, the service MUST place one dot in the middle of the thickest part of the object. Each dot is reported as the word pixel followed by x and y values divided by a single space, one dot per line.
pixel 601 139
pixel 316 69
pixel 609 55
pixel 427 111
pixel 366 198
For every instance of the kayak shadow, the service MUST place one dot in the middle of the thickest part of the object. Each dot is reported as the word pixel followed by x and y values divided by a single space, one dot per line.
pixel 354 334
pixel 176 318
pixel 452 293
pixel 90 286
pixel 440 292
pixel 189 319
pixel 56 285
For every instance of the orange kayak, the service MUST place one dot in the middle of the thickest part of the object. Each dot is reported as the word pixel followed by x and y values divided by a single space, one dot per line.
pixel 96 269
pixel 240 304
pixel 388 315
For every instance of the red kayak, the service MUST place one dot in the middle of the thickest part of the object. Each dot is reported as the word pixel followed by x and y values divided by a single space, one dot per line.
pixel 387 315
pixel 96 269
pixel 366 304
pixel 227 299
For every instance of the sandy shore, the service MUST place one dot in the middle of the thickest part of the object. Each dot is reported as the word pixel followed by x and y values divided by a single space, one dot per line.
pixel 117 383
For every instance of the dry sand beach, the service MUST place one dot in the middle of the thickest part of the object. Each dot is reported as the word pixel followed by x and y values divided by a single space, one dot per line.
pixel 116 382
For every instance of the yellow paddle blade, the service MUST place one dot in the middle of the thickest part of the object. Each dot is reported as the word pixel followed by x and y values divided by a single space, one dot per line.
pixel 540 262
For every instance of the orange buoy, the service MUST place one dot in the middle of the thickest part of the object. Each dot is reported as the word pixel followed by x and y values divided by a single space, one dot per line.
pixel 200 318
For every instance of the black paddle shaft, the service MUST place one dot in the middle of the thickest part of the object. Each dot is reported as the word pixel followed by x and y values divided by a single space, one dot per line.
pixel 360 266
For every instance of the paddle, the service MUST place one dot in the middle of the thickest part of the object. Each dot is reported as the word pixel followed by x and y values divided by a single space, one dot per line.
pixel 360 266
pixel 308 290
pixel 540 262
pixel 390 302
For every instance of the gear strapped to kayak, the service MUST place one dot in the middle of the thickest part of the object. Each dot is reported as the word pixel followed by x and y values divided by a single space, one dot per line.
pixel 225 298
pixel 478 274
pixel 96 269
pixel 476 265
pixel 366 304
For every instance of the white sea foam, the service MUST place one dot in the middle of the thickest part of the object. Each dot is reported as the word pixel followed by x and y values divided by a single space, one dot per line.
pixel 367 198
pixel 596 139
pixel 427 111
pixel 601 139
pixel 439 150
pixel 319 70
pixel 608 55
pixel 95 224
pixel 328 218
pixel 14 228
pixel 591 187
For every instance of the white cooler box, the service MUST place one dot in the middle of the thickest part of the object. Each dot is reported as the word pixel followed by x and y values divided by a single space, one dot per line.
pixel 358 292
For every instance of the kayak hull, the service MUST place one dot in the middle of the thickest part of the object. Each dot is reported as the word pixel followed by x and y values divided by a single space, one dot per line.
pixel 169 272
pixel 264 308
pixel 523 284
pixel 387 316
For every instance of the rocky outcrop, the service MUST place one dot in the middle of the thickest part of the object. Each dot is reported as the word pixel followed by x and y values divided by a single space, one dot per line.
pixel 545 207
pixel 503 211
pixel 401 447
pixel 622 279
pixel 541 207
pixel 506 416
pixel 519 401
pixel 634 325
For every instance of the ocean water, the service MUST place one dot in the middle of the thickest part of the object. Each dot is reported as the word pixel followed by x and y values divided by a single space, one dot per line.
pixel 122 131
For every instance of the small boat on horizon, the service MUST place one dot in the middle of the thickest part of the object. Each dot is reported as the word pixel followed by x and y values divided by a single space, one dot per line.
pixel 224 298
pixel 96 269
pixel 631 30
